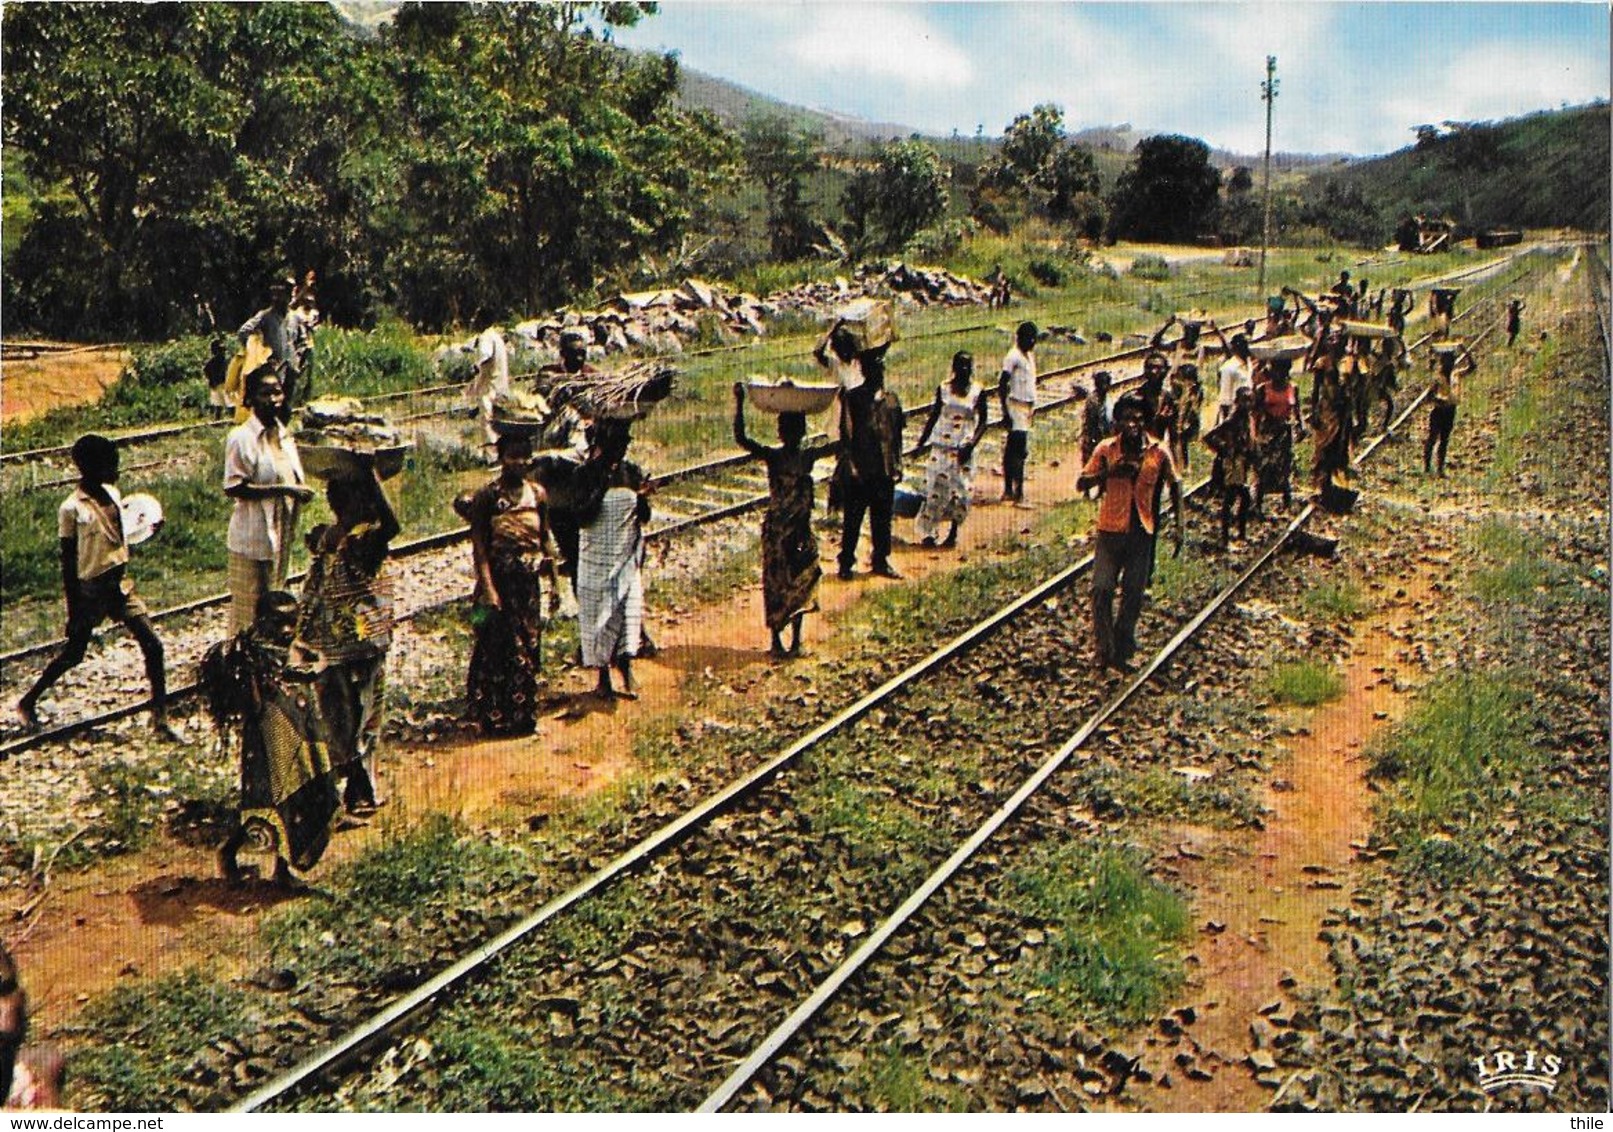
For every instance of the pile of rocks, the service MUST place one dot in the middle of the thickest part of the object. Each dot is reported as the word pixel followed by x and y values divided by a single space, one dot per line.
pixel 667 321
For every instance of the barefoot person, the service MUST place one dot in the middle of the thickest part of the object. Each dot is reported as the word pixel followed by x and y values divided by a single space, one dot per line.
pixel 94 559
pixel 288 790
pixel 344 628
pixel 512 552
pixel 610 559
pixel 957 422
pixel 790 569
pixel 1130 468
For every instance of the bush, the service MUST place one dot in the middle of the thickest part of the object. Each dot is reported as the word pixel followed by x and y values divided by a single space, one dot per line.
pixel 1151 267
pixel 171 363
pixel 1046 272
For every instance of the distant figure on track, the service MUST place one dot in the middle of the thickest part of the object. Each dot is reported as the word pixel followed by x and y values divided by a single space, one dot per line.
pixel 1330 417
pixel 1188 392
pixel 957 422
pixel 1016 389
pixel 1443 394
pixel 94 558
pixel 790 569
pixel 610 559
pixel 1234 441
pixel 1276 407
pixel 263 475
pixel 1097 420
pixel 869 467
pixel 491 358
pixel 215 371
pixel 1130 468
pixel 1514 319
pixel 277 324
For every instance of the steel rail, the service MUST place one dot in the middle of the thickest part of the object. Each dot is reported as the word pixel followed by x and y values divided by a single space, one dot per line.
pixel 452 536
pixel 162 431
pixel 673 831
pixel 836 980
pixel 183 692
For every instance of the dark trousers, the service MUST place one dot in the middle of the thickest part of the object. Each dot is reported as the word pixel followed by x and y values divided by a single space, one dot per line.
pixel 1014 452
pixel 875 499
pixel 1125 560
pixel 1441 419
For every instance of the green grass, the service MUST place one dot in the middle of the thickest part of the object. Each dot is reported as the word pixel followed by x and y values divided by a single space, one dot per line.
pixel 1155 792
pixel 431 868
pixel 1509 568
pixel 176 1019
pixel 1304 683
pixel 1464 753
pixel 1112 953
pixel 893 1079
pixel 1334 601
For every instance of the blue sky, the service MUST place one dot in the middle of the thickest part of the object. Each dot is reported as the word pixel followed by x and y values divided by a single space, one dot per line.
pixel 1352 77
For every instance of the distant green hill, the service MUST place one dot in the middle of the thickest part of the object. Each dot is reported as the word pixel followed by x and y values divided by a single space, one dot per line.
pixel 1544 170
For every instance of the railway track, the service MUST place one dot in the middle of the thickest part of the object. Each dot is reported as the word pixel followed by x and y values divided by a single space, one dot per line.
pixel 698 499
pixel 179 428
pixel 735 820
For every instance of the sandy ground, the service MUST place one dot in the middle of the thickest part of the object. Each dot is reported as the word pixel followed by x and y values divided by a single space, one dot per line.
pixel 77 375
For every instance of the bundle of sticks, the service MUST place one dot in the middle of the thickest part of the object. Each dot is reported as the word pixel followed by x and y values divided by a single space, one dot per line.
pixel 626 394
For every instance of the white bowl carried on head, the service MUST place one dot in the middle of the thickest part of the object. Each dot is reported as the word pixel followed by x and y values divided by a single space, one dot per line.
pixel 1291 346
pixel 1357 329
pixel 787 397
pixel 142 514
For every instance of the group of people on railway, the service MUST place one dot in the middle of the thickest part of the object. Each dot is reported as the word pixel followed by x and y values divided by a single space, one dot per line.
pixel 301 679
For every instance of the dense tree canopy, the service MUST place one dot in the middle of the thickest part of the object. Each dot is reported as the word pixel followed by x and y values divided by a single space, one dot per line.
pixel 1169 193
pixel 474 161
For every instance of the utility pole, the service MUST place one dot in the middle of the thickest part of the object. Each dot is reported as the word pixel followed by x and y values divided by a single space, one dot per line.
pixel 1268 94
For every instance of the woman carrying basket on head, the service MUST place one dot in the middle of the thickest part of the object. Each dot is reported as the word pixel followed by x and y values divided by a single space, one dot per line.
pixel 790 568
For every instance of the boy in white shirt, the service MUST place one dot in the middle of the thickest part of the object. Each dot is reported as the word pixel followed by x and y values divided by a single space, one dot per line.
pixel 94 554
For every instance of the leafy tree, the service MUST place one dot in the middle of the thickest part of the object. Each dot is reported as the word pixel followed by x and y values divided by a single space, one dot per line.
pixel 1241 181
pixel 537 161
pixel 1169 193
pixel 780 157
pixel 903 193
pixel 1038 167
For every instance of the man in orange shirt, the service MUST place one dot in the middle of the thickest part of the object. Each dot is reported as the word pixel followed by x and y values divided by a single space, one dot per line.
pixel 1130 468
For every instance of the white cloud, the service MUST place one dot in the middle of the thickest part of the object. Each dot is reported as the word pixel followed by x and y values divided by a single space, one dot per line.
pixel 879 41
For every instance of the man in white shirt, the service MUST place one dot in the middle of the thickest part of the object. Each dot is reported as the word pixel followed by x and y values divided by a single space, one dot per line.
pixel 1016 389
pixel 263 475
pixel 492 360
pixel 1237 372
